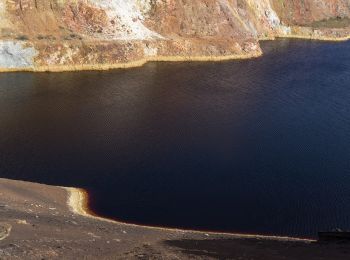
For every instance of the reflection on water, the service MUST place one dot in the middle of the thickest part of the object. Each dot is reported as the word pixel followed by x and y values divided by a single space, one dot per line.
pixel 257 146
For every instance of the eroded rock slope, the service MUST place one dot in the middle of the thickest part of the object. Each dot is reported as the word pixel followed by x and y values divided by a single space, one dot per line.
pixel 100 34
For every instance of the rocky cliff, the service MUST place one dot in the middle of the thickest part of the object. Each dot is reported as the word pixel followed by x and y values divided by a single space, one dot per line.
pixel 61 35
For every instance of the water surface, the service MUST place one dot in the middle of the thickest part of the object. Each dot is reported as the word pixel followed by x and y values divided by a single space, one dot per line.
pixel 257 146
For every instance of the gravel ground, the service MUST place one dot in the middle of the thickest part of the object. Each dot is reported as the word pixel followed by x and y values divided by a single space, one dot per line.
pixel 37 223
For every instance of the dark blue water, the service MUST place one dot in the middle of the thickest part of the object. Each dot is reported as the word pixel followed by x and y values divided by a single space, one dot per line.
pixel 257 146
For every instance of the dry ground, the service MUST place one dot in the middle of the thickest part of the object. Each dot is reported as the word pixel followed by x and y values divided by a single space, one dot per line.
pixel 36 223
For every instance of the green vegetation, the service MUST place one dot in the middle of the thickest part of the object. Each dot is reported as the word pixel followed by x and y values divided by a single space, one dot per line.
pixel 22 38
pixel 46 37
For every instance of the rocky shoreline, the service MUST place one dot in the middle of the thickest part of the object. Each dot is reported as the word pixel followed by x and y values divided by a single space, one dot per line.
pixel 211 58
pixel 132 64
pixel 71 35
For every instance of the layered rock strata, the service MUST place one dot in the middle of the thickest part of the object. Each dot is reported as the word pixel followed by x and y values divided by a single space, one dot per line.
pixel 57 35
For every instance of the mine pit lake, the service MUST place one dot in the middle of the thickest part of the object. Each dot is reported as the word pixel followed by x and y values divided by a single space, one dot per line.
pixel 256 146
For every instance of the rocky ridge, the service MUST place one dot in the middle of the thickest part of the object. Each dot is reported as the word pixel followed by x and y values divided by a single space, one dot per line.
pixel 57 35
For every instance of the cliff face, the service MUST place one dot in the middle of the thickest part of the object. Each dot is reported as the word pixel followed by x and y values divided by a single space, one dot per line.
pixel 97 34
pixel 297 12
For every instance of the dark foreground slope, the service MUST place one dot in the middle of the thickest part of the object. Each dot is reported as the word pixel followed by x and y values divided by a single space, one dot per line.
pixel 36 223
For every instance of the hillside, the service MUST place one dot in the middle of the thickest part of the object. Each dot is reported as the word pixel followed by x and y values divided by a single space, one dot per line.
pixel 61 35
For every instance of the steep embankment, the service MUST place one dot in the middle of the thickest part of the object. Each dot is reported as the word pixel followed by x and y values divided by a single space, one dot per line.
pixel 101 34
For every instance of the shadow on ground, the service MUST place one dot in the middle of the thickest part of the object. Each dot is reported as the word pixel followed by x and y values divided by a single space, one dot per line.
pixel 260 249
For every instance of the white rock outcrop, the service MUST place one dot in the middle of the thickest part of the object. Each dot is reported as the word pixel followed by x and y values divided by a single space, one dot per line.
pixel 15 55
pixel 127 17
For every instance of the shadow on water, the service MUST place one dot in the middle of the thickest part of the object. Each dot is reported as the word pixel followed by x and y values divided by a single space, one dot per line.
pixel 257 146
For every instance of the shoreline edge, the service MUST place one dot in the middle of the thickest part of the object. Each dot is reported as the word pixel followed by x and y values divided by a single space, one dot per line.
pixel 78 203
pixel 143 61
